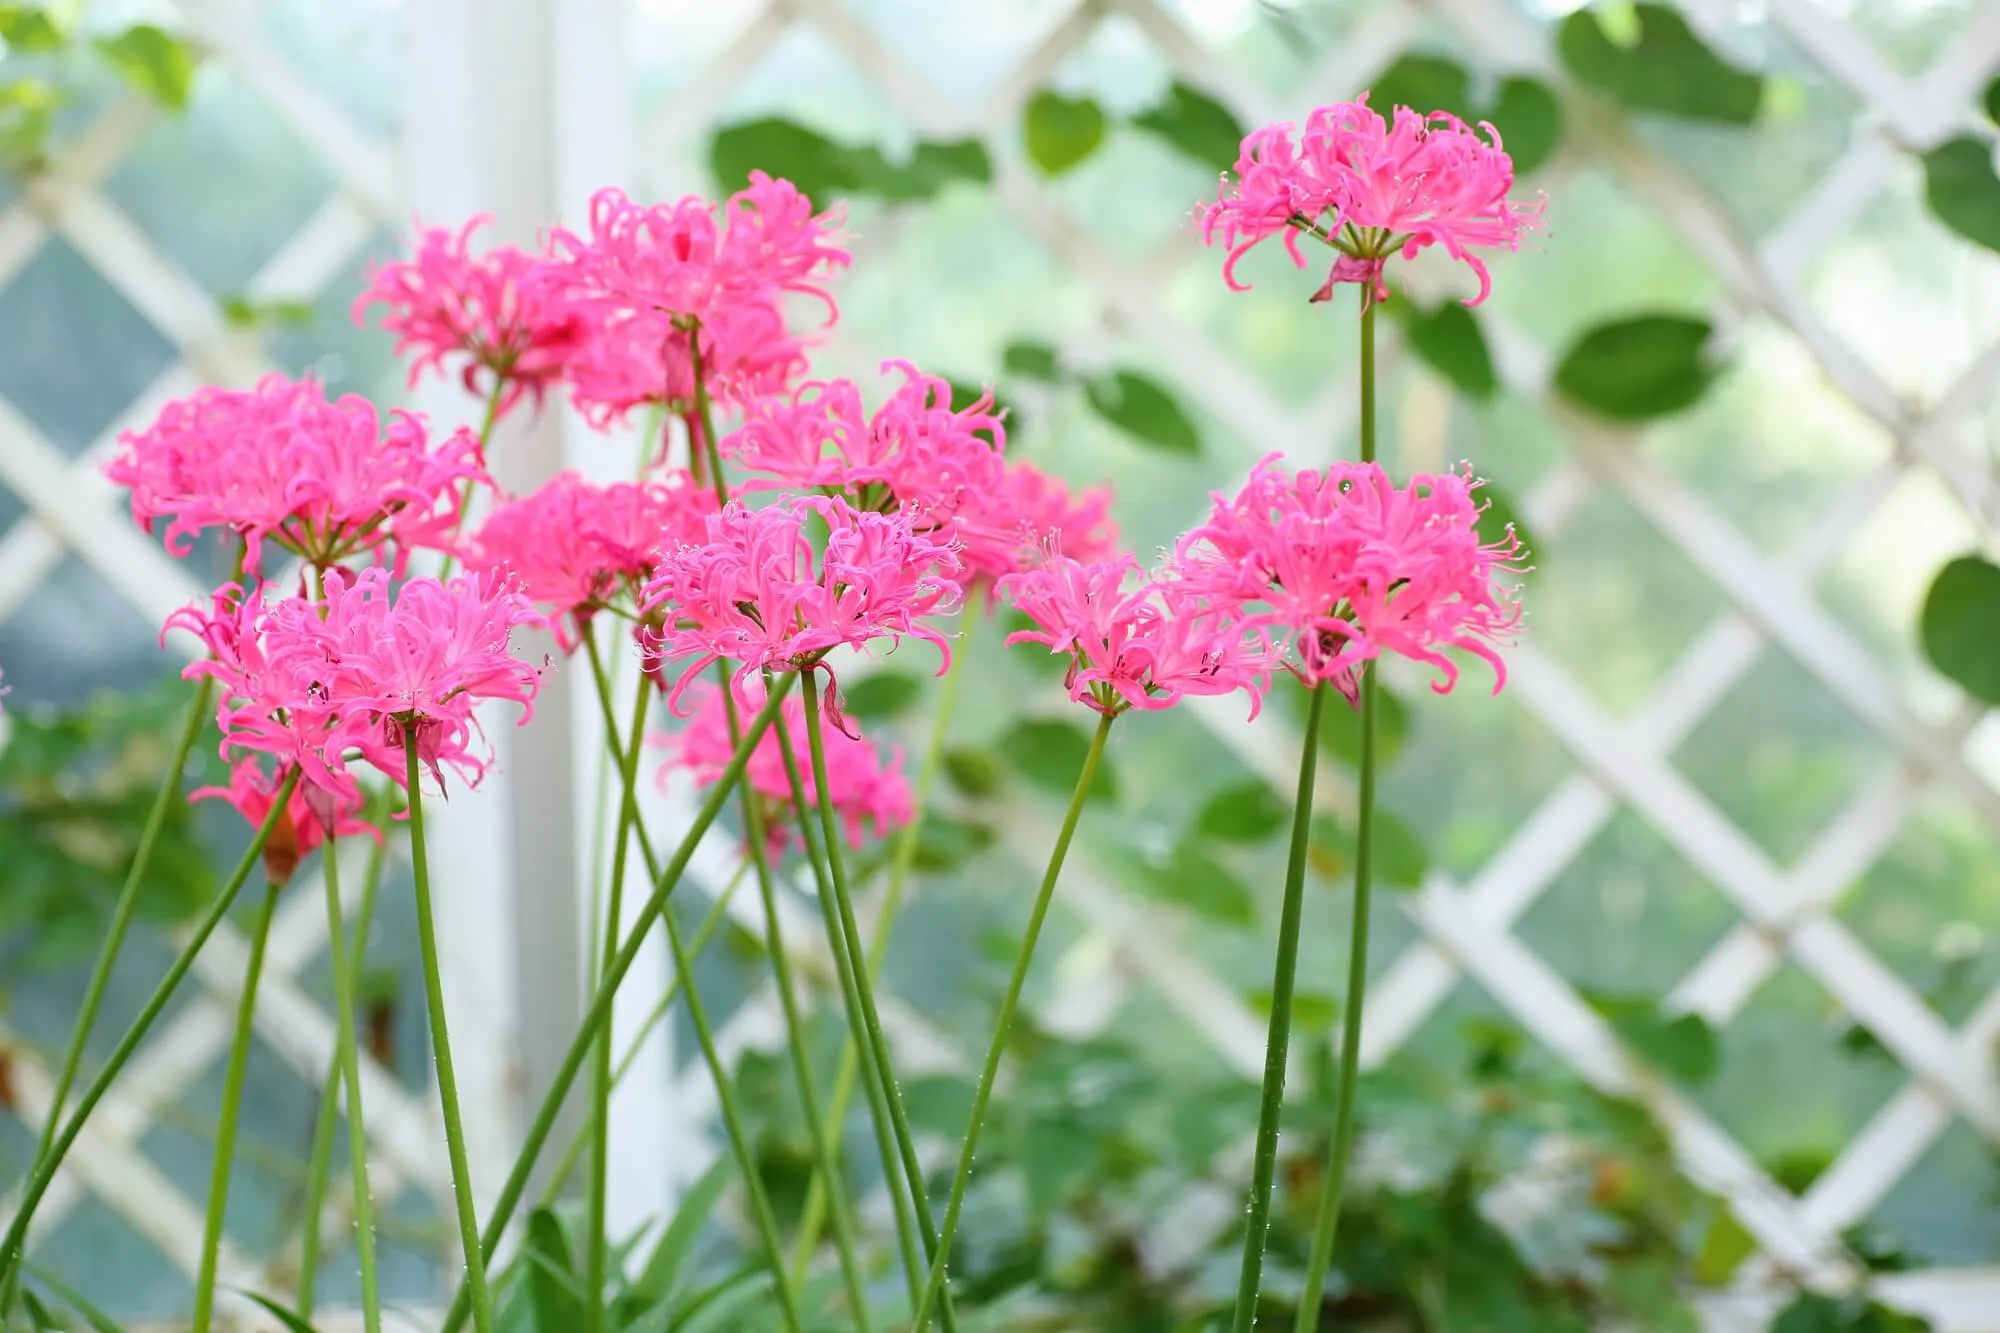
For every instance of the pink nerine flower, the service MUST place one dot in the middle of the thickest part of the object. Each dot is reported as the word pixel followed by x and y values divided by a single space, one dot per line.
pixel 1144 647
pixel 312 815
pixel 756 592
pixel 324 480
pixel 868 792
pixel 640 358
pixel 1370 189
pixel 1348 566
pixel 309 681
pixel 1030 516
pixel 572 546
pixel 497 310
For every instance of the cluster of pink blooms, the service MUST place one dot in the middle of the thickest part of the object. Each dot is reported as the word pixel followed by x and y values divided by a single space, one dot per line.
pixel 869 791
pixel 882 520
pixel 322 479
pixel 1370 189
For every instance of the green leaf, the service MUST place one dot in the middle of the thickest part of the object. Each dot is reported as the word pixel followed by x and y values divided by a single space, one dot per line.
pixel 27 117
pixel 1245 812
pixel 1401 860
pixel 553 1292
pixel 99 1321
pixel 28 29
pixel 1310 1009
pixel 288 1318
pixel 1960 626
pixel 933 165
pixel 1638 369
pixel 1450 339
pixel 1530 121
pixel 1499 515
pixel 1195 123
pixel 661 1275
pixel 40 1315
pixel 808 159
pixel 1057 1155
pixel 1681 1045
pixel 1814 1313
pixel 716 1308
pixel 1050 754
pixel 1340 725
pixel 1723 1249
pixel 1032 361
pixel 1191 878
pixel 1962 190
pixel 880 694
pixel 154 61
pixel 945 844
pixel 939 1103
pixel 1424 83
pixel 976 773
pixel 1141 407
pixel 245 313
pixel 1062 131
pixel 1667 70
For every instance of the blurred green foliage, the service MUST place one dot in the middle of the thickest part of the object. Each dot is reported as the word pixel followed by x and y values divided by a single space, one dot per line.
pixel 47 54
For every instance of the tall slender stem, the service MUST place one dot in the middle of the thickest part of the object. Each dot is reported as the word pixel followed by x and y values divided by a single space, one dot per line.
pixel 1277 1042
pixel 13 1247
pixel 844 967
pixel 1326 1224
pixel 902 858
pixel 232 1102
pixel 122 911
pixel 486 425
pixel 864 991
pixel 596 1254
pixel 347 1059
pixel 566 1164
pixel 990 1071
pixel 599 1012
pixel 746 1161
pixel 447 1080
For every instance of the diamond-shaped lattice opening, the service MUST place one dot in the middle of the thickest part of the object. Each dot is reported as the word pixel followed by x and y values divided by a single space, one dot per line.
pixel 352 55
pixel 1772 444
pixel 186 184
pixel 1875 587
pixel 1946 1211
pixel 962 51
pixel 1911 297
pixel 1761 177
pixel 76 634
pixel 345 356
pixel 1927 907
pixel 1603 252
pixel 1617 602
pixel 91 354
pixel 1780 756
pixel 1628 916
pixel 1790 1035
pixel 95 1240
pixel 273 1140
pixel 1909 36
pixel 391 1026
pixel 1474 769
pixel 1272 331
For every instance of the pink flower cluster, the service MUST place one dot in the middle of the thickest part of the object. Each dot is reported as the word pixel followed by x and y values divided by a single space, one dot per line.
pixel 761 592
pixel 573 545
pixel 497 311
pixel 869 792
pixel 1146 646
pixel 1369 189
pixel 323 479
pixel 918 454
pixel 1345 565
pixel 313 684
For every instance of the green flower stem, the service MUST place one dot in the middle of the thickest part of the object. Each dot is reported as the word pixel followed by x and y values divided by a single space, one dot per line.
pixel 347 1059
pixel 596 1252
pixel 447 1080
pixel 991 1070
pixel 486 425
pixel 760 1204
pixel 122 911
pixel 599 1012
pixel 1277 1044
pixel 1327 1223
pixel 13 1247
pixel 573 1153
pixel 863 997
pixel 902 858
pixel 232 1103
